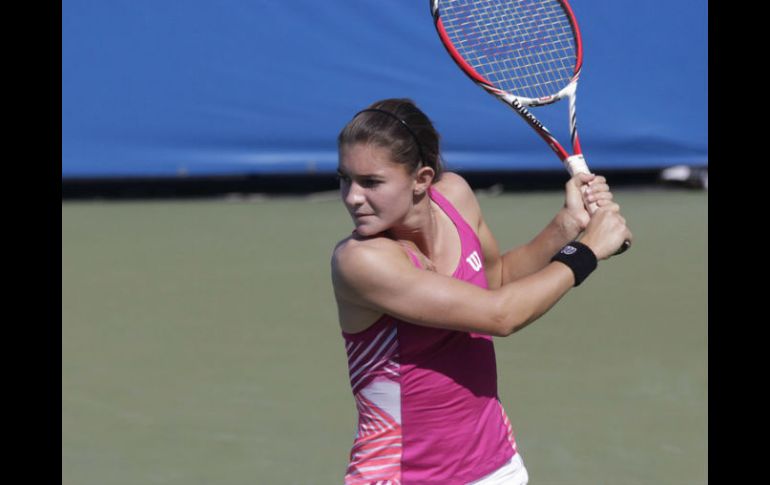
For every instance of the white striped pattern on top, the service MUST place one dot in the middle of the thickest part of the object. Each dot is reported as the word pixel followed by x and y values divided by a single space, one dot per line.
pixel 367 358
pixel 374 377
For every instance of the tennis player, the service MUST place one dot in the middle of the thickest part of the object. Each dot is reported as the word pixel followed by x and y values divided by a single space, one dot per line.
pixel 421 288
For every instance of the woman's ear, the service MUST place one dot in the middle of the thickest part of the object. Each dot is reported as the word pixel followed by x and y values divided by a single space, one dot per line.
pixel 422 180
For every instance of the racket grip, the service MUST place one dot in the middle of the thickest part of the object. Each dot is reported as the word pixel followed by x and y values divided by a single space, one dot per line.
pixel 577 164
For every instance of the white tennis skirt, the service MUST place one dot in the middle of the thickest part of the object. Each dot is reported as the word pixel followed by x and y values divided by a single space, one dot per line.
pixel 512 473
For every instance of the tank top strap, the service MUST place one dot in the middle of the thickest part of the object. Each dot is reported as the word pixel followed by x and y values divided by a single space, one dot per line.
pixel 411 254
pixel 466 231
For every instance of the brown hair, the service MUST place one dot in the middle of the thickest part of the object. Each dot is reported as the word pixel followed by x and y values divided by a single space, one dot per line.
pixel 398 125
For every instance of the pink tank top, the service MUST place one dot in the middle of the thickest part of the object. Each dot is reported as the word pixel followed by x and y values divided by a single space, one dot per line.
pixel 428 409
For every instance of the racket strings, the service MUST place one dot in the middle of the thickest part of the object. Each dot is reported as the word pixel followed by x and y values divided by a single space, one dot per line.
pixel 525 47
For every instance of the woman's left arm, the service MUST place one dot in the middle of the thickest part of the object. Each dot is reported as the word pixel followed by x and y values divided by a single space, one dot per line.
pixel 533 256
pixel 566 226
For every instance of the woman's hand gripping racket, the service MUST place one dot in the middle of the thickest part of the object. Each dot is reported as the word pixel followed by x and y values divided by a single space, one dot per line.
pixel 526 53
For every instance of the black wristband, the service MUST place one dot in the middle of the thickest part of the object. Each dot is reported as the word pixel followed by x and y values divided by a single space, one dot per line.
pixel 580 259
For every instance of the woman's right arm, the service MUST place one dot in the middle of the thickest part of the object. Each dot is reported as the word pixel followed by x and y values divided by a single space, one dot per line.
pixel 375 275
pixel 378 277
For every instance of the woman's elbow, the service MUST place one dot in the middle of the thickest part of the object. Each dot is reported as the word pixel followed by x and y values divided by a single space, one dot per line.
pixel 506 323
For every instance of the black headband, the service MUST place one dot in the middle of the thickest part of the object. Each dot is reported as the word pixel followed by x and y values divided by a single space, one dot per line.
pixel 403 123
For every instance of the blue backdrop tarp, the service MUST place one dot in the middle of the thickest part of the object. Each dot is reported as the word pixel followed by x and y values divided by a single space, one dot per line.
pixel 167 88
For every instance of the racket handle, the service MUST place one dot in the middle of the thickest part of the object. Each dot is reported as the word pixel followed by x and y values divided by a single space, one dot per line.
pixel 577 164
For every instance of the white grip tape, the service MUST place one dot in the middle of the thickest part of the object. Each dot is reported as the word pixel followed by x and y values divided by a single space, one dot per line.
pixel 576 164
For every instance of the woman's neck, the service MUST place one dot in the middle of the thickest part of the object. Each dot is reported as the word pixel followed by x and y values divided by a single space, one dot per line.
pixel 419 227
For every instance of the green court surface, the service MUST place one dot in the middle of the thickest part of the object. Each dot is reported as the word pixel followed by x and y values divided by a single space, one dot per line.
pixel 200 346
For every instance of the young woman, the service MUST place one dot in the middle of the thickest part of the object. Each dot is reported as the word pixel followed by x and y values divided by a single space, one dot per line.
pixel 421 288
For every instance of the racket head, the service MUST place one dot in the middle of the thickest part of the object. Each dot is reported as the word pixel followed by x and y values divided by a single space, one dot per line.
pixel 530 50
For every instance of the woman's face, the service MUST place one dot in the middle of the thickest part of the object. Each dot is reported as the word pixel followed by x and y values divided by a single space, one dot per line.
pixel 377 192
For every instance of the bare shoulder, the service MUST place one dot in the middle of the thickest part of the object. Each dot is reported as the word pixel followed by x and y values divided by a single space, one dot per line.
pixel 356 259
pixel 452 184
pixel 353 246
pixel 455 188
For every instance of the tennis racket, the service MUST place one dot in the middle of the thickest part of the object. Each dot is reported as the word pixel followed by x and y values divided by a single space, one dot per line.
pixel 526 53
